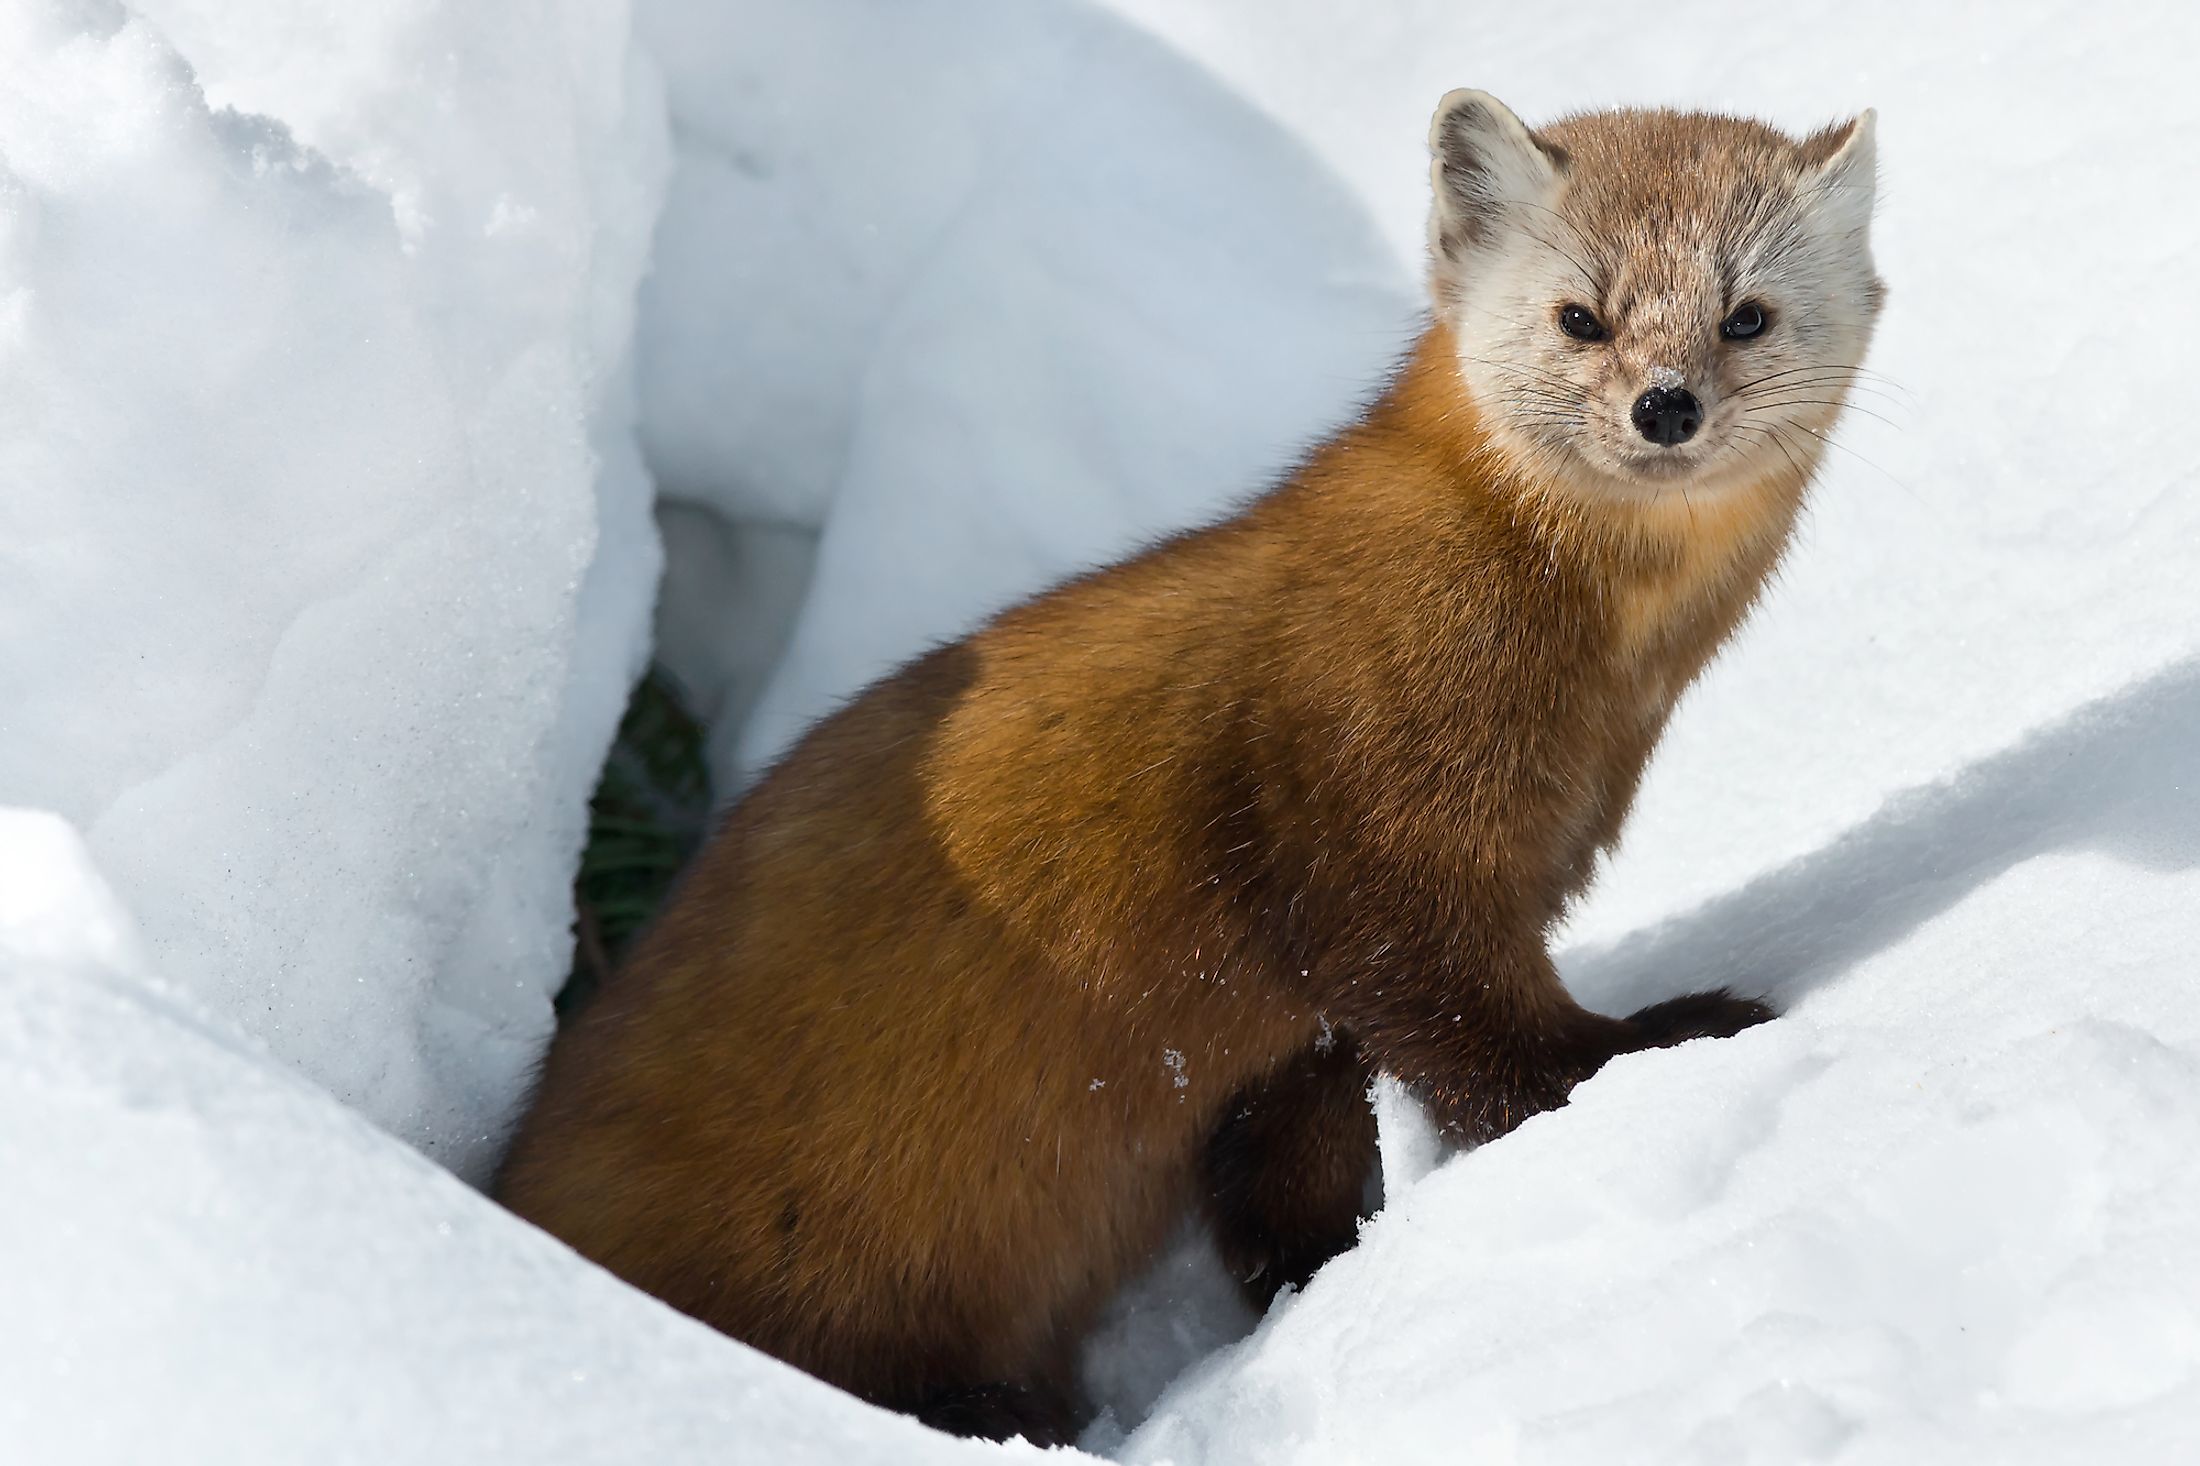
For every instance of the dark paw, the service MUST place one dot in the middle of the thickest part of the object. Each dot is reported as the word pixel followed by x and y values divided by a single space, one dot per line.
pixel 1716 1014
pixel 999 1412
pixel 1264 1270
pixel 1495 1109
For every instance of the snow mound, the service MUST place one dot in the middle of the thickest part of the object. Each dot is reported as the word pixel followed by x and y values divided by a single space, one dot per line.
pixel 1940 1211
pixel 277 1281
pixel 986 292
pixel 327 550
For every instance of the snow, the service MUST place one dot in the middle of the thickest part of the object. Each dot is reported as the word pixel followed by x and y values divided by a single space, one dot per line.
pixel 913 307
pixel 328 376
pixel 328 549
pixel 207 1260
pixel 1940 1211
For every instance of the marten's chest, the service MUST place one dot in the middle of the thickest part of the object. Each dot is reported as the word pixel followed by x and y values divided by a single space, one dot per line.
pixel 1660 633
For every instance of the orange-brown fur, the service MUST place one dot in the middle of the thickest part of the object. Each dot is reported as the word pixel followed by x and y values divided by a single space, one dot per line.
pixel 1108 908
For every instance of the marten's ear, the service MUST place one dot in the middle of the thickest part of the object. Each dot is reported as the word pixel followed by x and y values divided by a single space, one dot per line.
pixel 1482 160
pixel 1841 172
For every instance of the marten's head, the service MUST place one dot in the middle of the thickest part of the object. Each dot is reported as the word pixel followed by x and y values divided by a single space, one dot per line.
pixel 1652 300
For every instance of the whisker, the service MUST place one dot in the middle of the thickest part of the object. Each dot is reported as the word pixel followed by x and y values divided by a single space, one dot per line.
pixel 1828 402
pixel 1831 370
pixel 1892 399
pixel 1860 458
pixel 1769 436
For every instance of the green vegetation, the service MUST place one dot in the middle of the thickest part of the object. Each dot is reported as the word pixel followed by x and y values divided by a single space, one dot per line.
pixel 649 813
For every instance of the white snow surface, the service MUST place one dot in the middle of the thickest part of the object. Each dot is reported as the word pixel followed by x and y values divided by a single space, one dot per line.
pixel 325 559
pixel 208 1261
pixel 910 297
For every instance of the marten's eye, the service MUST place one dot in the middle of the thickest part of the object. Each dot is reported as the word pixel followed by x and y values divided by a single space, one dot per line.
pixel 1748 320
pixel 1581 323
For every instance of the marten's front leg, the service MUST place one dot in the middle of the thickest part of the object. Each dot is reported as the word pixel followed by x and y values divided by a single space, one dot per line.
pixel 1714 1014
pixel 1287 1169
pixel 1490 1040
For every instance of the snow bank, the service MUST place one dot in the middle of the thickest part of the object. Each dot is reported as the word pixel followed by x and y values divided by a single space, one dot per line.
pixel 208 1260
pixel 1941 1211
pixel 327 550
pixel 985 292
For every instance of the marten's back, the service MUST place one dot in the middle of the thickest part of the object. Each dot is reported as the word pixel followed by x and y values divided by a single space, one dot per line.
pixel 874 1083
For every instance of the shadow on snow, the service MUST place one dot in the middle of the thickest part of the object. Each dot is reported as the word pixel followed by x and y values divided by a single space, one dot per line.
pixel 2120 775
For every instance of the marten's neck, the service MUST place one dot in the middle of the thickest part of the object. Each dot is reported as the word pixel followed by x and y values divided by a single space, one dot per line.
pixel 1675 568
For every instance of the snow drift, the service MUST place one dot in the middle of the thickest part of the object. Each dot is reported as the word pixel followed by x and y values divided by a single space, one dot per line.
pixel 1939 1211
pixel 327 550
pixel 970 297
pixel 206 1260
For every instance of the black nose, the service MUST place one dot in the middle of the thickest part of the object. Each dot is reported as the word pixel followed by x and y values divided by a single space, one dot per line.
pixel 1668 415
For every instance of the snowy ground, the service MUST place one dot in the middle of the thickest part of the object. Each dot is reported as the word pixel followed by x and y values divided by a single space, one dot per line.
pixel 327 558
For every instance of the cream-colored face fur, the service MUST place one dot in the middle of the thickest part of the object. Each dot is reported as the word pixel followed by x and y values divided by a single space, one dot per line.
pixel 1661 226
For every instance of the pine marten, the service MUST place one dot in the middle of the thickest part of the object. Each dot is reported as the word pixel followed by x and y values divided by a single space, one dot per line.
pixel 1109 909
